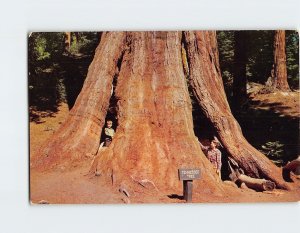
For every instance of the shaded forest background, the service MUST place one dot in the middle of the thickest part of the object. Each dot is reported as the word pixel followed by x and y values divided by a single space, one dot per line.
pixel 58 64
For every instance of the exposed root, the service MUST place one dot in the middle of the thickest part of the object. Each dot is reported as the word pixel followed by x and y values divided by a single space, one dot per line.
pixel 293 166
pixel 112 177
pixel 94 164
pixel 144 183
pixel 126 200
pixel 124 191
pixel 230 183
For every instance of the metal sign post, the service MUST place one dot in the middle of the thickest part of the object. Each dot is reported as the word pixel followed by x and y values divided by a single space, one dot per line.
pixel 187 176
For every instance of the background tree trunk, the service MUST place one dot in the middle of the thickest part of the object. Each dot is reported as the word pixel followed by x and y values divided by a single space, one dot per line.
pixel 279 73
pixel 208 89
pixel 240 78
pixel 67 41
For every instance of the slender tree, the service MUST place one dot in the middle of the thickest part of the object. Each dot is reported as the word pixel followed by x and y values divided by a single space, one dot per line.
pixel 68 40
pixel 279 71
pixel 155 133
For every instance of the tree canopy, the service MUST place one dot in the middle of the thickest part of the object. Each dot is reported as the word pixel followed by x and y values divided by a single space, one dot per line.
pixel 259 47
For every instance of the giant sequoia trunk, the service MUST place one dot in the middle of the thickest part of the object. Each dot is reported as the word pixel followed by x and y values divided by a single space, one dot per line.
pixel 279 72
pixel 155 133
pixel 208 89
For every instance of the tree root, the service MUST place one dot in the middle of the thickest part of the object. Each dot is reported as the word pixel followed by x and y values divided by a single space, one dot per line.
pixel 144 183
pixel 293 166
pixel 124 191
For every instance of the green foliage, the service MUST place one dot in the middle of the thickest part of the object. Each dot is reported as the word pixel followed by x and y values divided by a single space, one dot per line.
pixel 54 74
pixel 259 56
pixel 45 50
pixel 40 49
pixel 226 53
pixel 46 45
pixel 292 57
pixel 84 42
pixel 274 151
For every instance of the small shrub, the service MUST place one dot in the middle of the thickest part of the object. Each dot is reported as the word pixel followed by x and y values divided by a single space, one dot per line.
pixel 274 151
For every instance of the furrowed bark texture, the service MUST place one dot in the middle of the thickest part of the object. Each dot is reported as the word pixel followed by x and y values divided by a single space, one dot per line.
pixel 80 133
pixel 155 135
pixel 208 89
pixel 279 75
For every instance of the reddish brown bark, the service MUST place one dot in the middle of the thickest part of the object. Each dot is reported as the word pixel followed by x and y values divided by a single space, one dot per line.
pixel 209 91
pixel 155 135
pixel 279 73
pixel 67 41
pixel 80 133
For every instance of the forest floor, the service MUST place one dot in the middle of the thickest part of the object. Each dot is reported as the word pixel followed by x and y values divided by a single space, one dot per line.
pixel 286 104
pixel 74 187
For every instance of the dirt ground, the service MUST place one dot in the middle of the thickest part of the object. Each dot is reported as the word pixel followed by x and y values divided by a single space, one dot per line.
pixel 74 186
pixel 286 104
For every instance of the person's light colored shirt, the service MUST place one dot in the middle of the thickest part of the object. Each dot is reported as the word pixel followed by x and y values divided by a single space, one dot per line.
pixel 109 132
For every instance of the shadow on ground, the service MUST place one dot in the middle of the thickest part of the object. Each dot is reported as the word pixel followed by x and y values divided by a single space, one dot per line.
pixel 263 122
pixel 175 196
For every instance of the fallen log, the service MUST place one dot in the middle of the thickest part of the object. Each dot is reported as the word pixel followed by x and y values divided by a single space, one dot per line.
pixel 237 175
pixel 256 184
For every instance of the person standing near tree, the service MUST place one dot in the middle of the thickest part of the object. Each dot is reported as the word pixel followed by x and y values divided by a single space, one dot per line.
pixel 106 138
pixel 213 154
pixel 109 133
